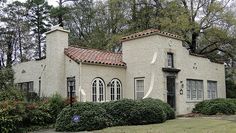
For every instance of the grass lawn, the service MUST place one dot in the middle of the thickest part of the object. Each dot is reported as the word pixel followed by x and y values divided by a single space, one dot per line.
pixel 180 125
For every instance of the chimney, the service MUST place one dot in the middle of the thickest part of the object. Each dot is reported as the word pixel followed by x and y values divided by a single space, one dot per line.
pixel 56 42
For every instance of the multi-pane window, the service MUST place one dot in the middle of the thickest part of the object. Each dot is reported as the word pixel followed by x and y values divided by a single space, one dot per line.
pixel 212 89
pixel 98 90
pixel 139 88
pixel 94 91
pixel 26 86
pixel 170 60
pixel 71 87
pixel 194 89
pixel 115 89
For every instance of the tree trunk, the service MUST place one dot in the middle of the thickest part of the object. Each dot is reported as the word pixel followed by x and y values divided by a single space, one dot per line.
pixel 38 30
pixel 9 52
pixel 20 45
pixel 193 46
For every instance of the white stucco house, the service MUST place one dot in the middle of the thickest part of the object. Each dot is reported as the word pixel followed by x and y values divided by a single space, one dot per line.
pixel 152 64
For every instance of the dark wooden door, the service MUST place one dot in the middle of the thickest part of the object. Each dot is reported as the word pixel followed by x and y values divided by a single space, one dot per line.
pixel 171 91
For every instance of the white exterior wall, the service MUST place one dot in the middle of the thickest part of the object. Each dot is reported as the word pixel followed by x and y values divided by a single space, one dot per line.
pixel 107 73
pixel 72 69
pixel 139 53
pixel 31 71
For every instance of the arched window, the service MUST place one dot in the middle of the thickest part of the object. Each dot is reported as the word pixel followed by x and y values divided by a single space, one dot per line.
pixel 115 89
pixel 98 90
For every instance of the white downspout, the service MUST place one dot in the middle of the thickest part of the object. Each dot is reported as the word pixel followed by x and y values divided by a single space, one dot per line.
pixel 80 77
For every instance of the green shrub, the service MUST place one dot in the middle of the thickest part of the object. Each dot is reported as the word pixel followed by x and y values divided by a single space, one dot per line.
pixel 11 94
pixel 38 117
pixel 120 110
pixel 215 106
pixel 92 117
pixel 147 112
pixel 6 78
pixel 55 105
pixel 11 116
pixel 95 116
pixel 170 113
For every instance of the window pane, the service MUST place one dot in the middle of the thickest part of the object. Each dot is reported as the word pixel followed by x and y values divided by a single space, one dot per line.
pixel 100 90
pixel 188 89
pixel 140 85
pixel 139 88
pixel 212 89
pixel 118 90
pixel 199 86
pixel 140 95
pixel 194 89
pixel 113 90
pixel 170 59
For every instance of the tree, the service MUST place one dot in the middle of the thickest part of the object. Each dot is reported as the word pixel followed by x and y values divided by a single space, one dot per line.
pixel 39 20
pixel 195 18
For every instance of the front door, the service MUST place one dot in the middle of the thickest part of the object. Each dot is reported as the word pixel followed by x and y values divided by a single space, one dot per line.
pixel 171 91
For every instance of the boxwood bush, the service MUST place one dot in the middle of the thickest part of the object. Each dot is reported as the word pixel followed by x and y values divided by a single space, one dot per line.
pixel 216 106
pixel 147 112
pixel 120 111
pixel 95 116
pixel 92 117
pixel 170 113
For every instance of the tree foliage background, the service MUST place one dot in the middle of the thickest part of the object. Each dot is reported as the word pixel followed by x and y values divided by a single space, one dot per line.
pixel 208 26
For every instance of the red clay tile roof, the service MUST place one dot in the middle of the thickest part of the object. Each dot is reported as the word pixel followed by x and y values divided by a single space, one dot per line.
pixel 94 56
pixel 150 32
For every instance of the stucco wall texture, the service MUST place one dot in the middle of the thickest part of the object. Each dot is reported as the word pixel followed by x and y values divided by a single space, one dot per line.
pixel 138 54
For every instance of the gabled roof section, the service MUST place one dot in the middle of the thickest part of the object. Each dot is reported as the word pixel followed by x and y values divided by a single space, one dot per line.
pixel 94 56
pixel 150 32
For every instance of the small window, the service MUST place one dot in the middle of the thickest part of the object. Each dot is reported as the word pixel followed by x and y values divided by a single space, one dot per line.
pixel 71 87
pixel 139 88
pixel 26 86
pixel 212 89
pixel 170 60
pixel 194 89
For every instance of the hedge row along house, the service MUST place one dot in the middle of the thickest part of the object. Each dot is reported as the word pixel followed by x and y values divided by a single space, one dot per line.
pixel 152 64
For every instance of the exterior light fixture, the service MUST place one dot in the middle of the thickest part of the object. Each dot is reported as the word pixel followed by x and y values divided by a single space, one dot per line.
pixel 181 92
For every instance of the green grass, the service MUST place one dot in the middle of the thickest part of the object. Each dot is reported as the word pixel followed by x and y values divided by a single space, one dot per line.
pixel 181 125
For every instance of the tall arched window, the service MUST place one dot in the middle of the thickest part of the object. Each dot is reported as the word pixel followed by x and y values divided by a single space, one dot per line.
pixel 98 90
pixel 115 89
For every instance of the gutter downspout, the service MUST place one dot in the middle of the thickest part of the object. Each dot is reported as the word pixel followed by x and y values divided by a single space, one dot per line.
pixel 80 79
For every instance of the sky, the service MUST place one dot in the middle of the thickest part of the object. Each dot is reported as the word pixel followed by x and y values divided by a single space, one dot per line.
pixel 50 2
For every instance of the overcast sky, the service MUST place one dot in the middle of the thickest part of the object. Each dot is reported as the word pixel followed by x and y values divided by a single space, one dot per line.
pixel 50 2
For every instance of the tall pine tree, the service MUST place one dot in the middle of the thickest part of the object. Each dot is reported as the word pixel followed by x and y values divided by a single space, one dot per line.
pixel 39 20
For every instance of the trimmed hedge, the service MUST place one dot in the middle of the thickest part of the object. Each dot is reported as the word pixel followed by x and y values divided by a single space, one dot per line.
pixel 147 112
pixel 170 113
pixel 216 106
pixel 94 116
pixel 120 111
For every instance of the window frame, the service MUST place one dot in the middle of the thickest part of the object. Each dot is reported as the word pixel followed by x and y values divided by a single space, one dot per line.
pixel 114 93
pixel 189 91
pixel 135 87
pixel 216 91
pixel 28 84
pixel 98 90
pixel 171 55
